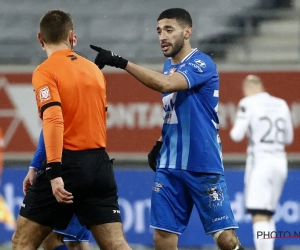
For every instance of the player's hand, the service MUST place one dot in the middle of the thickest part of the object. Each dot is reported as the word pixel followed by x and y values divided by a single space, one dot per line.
pixel 29 179
pixel 152 156
pixel 61 195
pixel 106 57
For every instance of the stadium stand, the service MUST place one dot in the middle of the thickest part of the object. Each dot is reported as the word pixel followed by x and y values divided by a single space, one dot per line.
pixel 224 29
pixel 126 27
pixel 276 39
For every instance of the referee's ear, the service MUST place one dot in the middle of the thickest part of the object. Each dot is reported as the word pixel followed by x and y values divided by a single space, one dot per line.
pixel 41 40
pixel 72 38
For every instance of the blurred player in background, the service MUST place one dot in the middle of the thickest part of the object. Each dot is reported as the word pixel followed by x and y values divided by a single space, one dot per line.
pixel 71 99
pixel 76 237
pixel 267 122
pixel 189 163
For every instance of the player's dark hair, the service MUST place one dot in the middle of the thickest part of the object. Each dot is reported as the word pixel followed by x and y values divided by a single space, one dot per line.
pixel 181 16
pixel 55 26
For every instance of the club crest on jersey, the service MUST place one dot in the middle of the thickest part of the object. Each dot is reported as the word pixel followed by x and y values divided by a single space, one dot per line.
pixel 216 196
pixel 44 94
pixel 172 71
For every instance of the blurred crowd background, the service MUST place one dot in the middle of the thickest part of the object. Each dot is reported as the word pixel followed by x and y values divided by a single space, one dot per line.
pixel 232 31
pixel 243 37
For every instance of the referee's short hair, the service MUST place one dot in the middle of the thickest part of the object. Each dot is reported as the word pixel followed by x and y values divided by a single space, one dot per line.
pixel 55 26
pixel 181 15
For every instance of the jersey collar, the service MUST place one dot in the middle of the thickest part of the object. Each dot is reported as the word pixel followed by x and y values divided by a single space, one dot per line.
pixel 189 55
pixel 61 52
pixel 184 59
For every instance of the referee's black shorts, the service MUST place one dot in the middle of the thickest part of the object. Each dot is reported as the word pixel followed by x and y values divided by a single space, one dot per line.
pixel 89 176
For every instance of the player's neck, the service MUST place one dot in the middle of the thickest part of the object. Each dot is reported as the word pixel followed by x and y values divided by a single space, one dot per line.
pixel 51 48
pixel 186 49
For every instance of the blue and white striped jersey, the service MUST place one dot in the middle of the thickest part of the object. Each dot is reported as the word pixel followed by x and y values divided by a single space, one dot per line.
pixel 190 129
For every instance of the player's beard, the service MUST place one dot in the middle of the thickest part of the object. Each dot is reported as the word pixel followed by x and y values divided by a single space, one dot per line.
pixel 176 48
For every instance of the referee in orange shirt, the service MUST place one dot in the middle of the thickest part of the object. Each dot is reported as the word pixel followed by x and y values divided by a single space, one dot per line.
pixel 71 99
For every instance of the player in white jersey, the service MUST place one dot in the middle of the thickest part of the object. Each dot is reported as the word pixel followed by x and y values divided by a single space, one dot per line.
pixel 266 121
pixel 187 158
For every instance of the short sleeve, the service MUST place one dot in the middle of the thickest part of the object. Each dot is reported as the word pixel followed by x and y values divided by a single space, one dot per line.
pixel 46 91
pixel 198 71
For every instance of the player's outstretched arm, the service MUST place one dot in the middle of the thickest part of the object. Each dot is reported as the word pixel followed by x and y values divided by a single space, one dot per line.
pixel 150 78
pixel 157 81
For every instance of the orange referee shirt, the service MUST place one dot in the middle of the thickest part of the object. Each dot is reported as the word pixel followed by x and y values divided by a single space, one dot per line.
pixel 71 98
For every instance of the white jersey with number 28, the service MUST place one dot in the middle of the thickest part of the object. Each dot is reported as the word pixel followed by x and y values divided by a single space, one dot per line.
pixel 267 122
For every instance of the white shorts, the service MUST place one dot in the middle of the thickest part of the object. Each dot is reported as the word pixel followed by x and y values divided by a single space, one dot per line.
pixel 264 180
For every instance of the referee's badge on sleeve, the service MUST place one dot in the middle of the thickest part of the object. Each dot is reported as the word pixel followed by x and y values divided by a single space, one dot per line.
pixel 44 94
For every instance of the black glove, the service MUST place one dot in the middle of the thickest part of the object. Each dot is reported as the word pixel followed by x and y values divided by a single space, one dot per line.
pixel 152 156
pixel 106 57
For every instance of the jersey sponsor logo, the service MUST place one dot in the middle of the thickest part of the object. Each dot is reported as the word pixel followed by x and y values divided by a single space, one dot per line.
pixel 200 63
pixel 116 211
pixel 169 113
pixel 44 94
pixel 196 66
pixel 216 196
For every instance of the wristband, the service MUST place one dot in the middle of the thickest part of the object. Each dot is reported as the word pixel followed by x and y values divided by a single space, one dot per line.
pixel 53 170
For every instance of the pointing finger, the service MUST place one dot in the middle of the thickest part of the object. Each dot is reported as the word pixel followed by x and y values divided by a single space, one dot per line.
pixel 98 49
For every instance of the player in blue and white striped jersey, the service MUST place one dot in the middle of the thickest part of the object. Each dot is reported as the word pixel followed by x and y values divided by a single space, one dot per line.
pixel 75 236
pixel 187 158
pixel 191 121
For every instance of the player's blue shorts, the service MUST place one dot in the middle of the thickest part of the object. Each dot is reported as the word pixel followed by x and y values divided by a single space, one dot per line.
pixel 175 192
pixel 75 232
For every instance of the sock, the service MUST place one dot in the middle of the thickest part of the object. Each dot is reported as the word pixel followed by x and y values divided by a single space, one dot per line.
pixel 262 227
pixel 272 225
pixel 61 247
